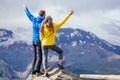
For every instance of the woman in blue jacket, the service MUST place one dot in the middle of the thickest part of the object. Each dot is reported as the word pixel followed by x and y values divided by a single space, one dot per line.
pixel 36 21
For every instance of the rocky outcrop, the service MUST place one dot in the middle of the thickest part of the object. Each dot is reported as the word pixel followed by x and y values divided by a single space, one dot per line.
pixel 56 74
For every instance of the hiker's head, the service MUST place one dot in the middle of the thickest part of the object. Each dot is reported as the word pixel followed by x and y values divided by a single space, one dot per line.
pixel 49 19
pixel 42 13
pixel 49 24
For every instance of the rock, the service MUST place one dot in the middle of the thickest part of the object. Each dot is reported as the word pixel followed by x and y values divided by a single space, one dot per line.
pixel 56 74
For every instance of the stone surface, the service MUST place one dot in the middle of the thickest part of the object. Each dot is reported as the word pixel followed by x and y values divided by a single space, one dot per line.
pixel 56 74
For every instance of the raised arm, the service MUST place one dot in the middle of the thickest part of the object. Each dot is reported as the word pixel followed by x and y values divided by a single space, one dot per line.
pixel 28 13
pixel 59 24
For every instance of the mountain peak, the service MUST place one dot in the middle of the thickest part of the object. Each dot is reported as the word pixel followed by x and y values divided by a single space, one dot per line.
pixel 56 74
pixel 5 35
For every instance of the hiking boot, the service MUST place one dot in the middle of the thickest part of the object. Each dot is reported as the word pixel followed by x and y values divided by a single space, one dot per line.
pixel 60 66
pixel 33 73
pixel 46 75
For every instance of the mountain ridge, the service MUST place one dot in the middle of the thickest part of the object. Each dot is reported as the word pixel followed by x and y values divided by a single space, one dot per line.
pixel 83 52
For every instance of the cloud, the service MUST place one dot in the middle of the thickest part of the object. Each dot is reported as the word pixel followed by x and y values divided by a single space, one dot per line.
pixel 98 16
pixel 85 5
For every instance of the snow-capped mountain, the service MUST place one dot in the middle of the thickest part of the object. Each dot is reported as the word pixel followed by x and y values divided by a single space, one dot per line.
pixel 17 54
pixel 5 35
pixel 77 37
pixel 84 52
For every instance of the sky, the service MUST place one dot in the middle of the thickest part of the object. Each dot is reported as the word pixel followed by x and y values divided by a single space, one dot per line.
pixel 101 17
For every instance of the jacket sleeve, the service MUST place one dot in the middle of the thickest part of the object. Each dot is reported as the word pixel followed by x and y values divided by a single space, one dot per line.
pixel 30 16
pixel 60 23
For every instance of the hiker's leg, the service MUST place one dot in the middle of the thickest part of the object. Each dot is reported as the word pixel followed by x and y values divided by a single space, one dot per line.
pixel 59 51
pixel 45 54
pixel 34 57
pixel 39 57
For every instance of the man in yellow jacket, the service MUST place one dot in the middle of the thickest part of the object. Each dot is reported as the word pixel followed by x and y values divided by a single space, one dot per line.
pixel 47 36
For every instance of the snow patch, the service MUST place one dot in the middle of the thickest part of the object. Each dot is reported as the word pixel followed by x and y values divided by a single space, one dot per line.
pixel 88 37
pixel 8 42
pixel 74 43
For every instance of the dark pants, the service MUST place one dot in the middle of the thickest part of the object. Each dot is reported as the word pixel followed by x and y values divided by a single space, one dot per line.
pixel 37 61
pixel 45 53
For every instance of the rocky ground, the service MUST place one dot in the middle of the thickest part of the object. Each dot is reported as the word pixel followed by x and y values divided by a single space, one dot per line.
pixel 56 74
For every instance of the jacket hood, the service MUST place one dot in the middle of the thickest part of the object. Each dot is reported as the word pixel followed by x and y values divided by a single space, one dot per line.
pixel 39 19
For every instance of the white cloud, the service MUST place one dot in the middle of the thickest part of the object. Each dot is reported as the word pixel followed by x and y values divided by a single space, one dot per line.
pixel 90 15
